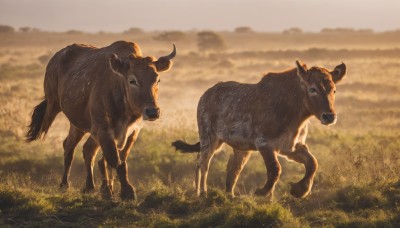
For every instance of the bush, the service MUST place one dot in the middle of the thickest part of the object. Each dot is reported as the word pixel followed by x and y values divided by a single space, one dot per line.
pixel 44 59
pixel 134 31
pixel 243 29
pixel 208 41
pixel 171 36
pixel 292 31
pixel 6 29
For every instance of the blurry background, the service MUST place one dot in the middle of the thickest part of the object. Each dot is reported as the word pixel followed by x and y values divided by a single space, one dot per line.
pixel 358 177
pixel 270 15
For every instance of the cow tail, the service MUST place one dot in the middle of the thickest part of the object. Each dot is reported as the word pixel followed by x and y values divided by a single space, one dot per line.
pixel 40 123
pixel 185 147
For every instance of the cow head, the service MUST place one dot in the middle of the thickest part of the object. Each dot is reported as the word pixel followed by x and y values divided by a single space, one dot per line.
pixel 319 85
pixel 142 80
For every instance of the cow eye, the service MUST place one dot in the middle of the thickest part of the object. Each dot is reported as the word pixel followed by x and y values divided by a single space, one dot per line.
pixel 133 82
pixel 312 90
pixel 158 82
pixel 334 91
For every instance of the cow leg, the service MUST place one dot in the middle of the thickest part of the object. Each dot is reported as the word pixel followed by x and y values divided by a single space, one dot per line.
pixel 90 149
pixel 207 151
pixel 273 172
pixel 110 157
pixel 110 178
pixel 73 138
pixel 127 190
pixel 105 189
pixel 303 155
pixel 234 168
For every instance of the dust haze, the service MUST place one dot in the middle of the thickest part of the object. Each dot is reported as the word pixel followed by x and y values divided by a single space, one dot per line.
pixel 357 182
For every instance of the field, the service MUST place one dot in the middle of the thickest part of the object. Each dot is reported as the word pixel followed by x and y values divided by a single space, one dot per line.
pixel 357 184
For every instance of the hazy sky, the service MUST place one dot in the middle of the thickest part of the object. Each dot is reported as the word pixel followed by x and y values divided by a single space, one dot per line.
pixel 262 15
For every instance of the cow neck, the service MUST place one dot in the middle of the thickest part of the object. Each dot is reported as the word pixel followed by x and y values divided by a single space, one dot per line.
pixel 287 96
pixel 125 105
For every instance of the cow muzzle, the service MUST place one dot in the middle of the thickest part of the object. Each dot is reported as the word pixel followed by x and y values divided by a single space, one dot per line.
pixel 328 118
pixel 151 113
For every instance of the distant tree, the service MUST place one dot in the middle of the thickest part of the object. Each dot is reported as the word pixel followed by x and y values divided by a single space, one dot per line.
pixel 365 31
pixel 293 30
pixel 210 41
pixel 134 31
pixel 72 32
pixel 44 59
pixel 243 29
pixel 170 36
pixel 6 29
pixel 25 29
pixel 338 30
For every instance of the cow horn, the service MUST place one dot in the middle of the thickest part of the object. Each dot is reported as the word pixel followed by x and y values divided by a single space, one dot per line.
pixel 172 55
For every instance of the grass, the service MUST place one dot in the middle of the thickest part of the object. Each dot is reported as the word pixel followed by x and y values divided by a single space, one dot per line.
pixel 357 183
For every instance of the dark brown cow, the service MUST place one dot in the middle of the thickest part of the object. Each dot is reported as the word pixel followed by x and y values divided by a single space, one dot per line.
pixel 106 92
pixel 271 117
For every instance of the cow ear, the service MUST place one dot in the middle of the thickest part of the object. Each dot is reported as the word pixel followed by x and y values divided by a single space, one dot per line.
pixel 163 64
pixel 117 65
pixel 338 73
pixel 302 70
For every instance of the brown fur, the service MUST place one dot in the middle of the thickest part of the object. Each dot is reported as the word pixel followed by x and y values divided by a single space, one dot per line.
pixel 106 92
pixel 271 117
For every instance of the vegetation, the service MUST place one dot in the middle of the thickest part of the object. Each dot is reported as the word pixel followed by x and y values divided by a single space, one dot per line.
pixel 243 29
pixel 170 36
pixel 6 29
pixel 357 184
pixel 210 41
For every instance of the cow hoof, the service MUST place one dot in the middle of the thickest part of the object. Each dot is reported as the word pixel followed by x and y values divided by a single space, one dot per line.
pixel 261 192
pixel 301 189
pixel 128 193
pixel 231 195
pixel 65 185
pixel 106 192
pixel 264 193
pixel 88 189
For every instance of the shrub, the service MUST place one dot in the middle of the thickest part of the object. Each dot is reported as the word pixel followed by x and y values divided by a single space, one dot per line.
pixel 6 29
pixel 243 29
pixel 170 36
pixel 134 31
pixel 210 41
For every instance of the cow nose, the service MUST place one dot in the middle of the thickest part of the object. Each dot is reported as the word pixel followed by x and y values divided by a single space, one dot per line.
pixel 153 113
pixel 328 117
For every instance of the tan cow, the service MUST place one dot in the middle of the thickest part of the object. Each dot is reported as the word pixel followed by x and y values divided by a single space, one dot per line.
pixel 269 116
pixel 106 92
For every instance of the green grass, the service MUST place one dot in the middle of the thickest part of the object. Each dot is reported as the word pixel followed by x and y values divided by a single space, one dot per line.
pixel 29 193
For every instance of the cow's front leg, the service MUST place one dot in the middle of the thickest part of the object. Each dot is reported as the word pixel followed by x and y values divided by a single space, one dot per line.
pixel 302 155
pixel 127 189
pixel 112 158
pixel 273 169
pixel 106 188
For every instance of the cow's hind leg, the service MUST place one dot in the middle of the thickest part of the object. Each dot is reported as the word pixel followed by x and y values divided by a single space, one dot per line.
pixel 73 138
pixel 273 172
pixel 234 168
pixel 208 148
pixel 90 149
pixel 303 155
